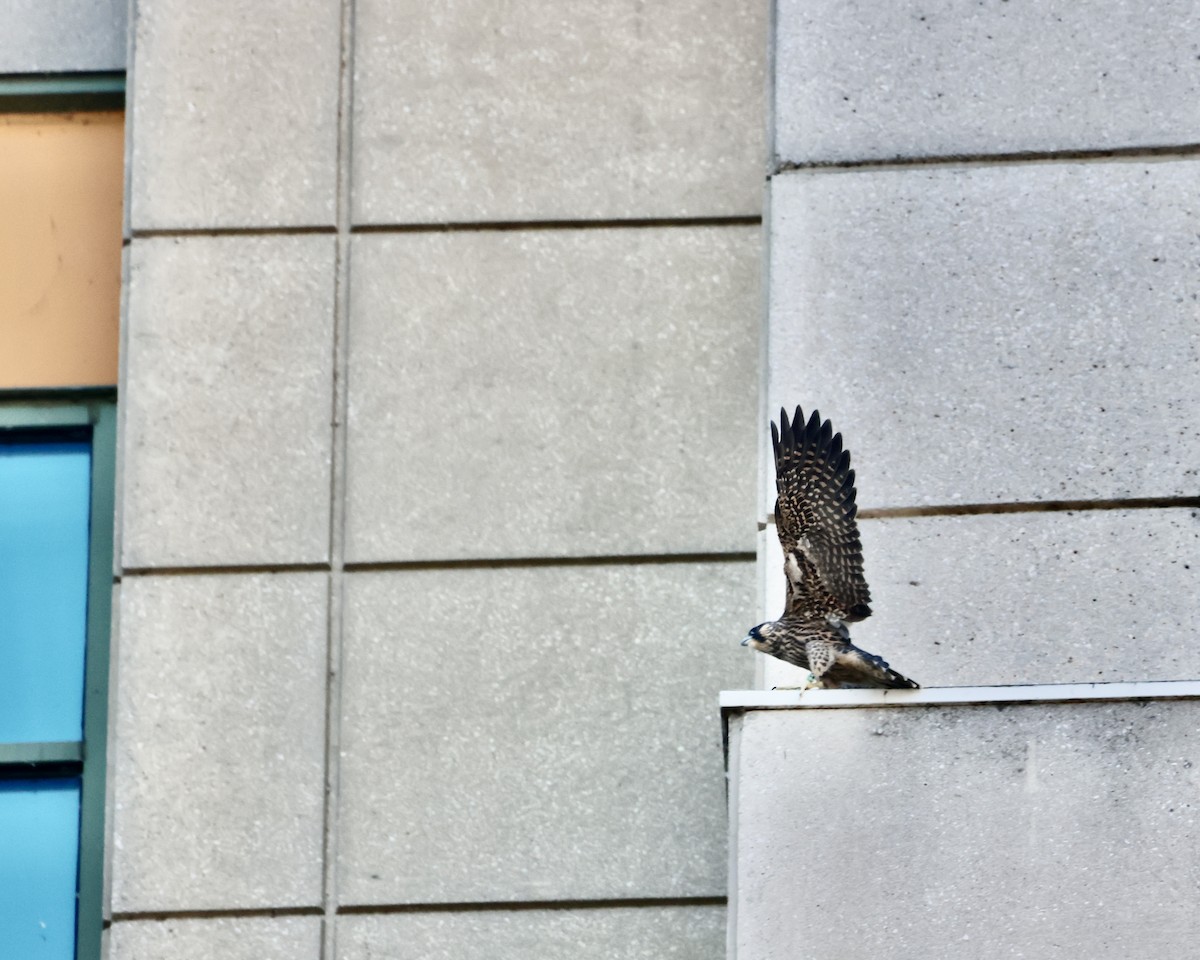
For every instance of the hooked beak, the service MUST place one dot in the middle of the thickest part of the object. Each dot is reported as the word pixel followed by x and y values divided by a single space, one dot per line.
pixel 745 640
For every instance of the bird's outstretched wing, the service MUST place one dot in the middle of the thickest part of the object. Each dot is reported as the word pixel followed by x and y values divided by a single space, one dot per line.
pixel 814 516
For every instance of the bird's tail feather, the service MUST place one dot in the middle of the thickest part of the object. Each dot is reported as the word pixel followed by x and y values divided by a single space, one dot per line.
pixel 888 677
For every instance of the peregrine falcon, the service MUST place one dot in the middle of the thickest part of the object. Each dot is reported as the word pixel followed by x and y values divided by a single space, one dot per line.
pixel 822 560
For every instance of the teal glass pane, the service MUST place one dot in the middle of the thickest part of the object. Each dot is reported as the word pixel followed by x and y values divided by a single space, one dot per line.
pixel 45 498
pixel 39 840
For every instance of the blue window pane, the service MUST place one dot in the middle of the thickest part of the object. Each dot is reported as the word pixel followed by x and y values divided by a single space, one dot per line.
pixel 39 840
pixel 45 496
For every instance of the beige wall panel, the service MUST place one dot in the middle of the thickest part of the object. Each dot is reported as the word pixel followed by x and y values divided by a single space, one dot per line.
pixel 234 110
pixel 471 111
pixel 219 743
pixel 1051 831
pixel 993 333
pixel 1098 595
pixel 1065 597
pixel 61 182
pixel 1094 596
pixel 226 401
pixel 537 733
pixel 860 79
pixel 630 933
pixel 552 393
pixel 230 938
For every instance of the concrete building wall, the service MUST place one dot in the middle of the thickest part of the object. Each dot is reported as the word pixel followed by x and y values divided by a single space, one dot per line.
pixel 982 268
pixel 909 829
pixel 440 386
pixel 438 401
pixel 982 255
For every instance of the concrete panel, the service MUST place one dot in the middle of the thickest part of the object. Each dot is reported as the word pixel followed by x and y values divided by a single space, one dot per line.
pixel 63 36
pixel 234 113
pixel 566 392
pixel 474 111
pixel 230 938
pixel 505 723
pixel 1053 831
pixel 228 378
pixel 632 933
pixel 864 80
pixel 1096 596
pixel 1036 598
pixel 984 334
pixel 218 780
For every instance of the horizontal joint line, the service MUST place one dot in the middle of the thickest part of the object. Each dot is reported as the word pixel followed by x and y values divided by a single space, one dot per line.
pixel 509 562
pixel 470 563
pixel 1035 506
pixel 642 902
pixel 224 570
pixel 483 226
pixel 499 226
pixel 1018 156
pixel 133 916
pixel 181 232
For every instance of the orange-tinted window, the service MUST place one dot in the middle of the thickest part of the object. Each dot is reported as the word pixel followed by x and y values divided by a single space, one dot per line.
pixel 61 177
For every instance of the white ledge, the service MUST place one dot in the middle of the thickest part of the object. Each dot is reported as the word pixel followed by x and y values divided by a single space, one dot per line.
pixel 734 701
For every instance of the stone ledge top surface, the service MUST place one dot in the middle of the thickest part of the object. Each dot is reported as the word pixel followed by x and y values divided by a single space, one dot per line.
pixel 740 701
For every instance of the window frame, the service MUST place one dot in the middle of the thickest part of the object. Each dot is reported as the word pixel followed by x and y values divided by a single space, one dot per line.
pixel 90 412
pixel 62 93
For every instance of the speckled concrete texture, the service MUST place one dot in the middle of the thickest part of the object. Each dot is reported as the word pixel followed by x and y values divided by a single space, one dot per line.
pixel 476 112
pixel 67 36
pixel 234 112
pixel 1054 831
pixel 862 80
pixel 226 398
pixel 538 733
pixel 552 393
pixel 1037 597
pixel 991 334
pixel 1063 597
pixel 230 938
pixel 218 770
pixel 632 933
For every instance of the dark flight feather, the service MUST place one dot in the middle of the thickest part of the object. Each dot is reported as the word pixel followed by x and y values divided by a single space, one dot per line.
pixel 814 516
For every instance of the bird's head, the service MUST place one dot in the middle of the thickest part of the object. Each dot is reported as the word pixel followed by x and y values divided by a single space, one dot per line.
pixel 760 638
